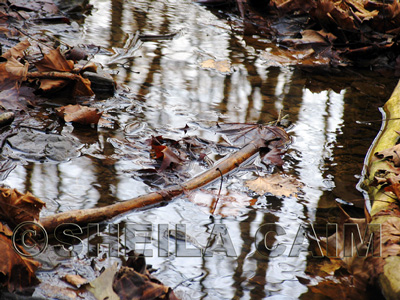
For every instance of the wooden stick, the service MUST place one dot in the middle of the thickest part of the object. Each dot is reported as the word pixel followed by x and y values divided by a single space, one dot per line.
pixel 95 215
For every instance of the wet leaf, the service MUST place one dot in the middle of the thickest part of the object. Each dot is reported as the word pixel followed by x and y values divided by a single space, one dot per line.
pixel 275 184
pixel 222 66
pixel 79 114
pixel 272 157
pixel 17 272
pixel 16 207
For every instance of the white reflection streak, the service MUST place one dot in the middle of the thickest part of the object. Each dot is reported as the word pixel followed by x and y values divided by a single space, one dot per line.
pixel 320 120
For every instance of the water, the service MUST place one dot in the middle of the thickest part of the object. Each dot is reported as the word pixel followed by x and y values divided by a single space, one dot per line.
pixel 163 88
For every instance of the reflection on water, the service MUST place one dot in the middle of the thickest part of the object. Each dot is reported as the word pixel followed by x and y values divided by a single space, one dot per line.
pixel 334 117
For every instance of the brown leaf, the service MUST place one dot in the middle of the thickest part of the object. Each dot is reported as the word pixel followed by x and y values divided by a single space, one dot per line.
pixel 392 154
pixel 163 152
pixel 275 184
pixel 17 51
pixel 82 87
pixel 54 61
pixel 16 207
pixel 79 114
pixel 12 72
pixel 18 272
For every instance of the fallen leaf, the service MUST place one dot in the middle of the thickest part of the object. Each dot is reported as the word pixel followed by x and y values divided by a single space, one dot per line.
pixel 17 51
pixel 12 72
pixel 54 61
pixel 134 282
pixel 75 280
pixel 79 114
pixel 16 207
pixel 227 203
pixel 240 134
pixel 102 286
pixel 163 152
pixel 392 154
pixel 18 272
pixel 222 66
pixel 275 184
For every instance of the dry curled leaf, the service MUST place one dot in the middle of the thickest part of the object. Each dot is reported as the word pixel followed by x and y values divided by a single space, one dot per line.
pixel 275 184
pixel 79 114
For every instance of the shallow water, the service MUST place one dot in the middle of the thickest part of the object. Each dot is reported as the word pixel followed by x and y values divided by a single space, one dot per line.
pixel 163 88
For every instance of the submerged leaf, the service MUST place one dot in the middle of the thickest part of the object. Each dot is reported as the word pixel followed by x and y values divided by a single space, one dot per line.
pixel 239 134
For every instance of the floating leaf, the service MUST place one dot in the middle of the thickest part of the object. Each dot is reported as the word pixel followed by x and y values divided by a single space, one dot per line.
pixel 275 184
pixel 222 66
